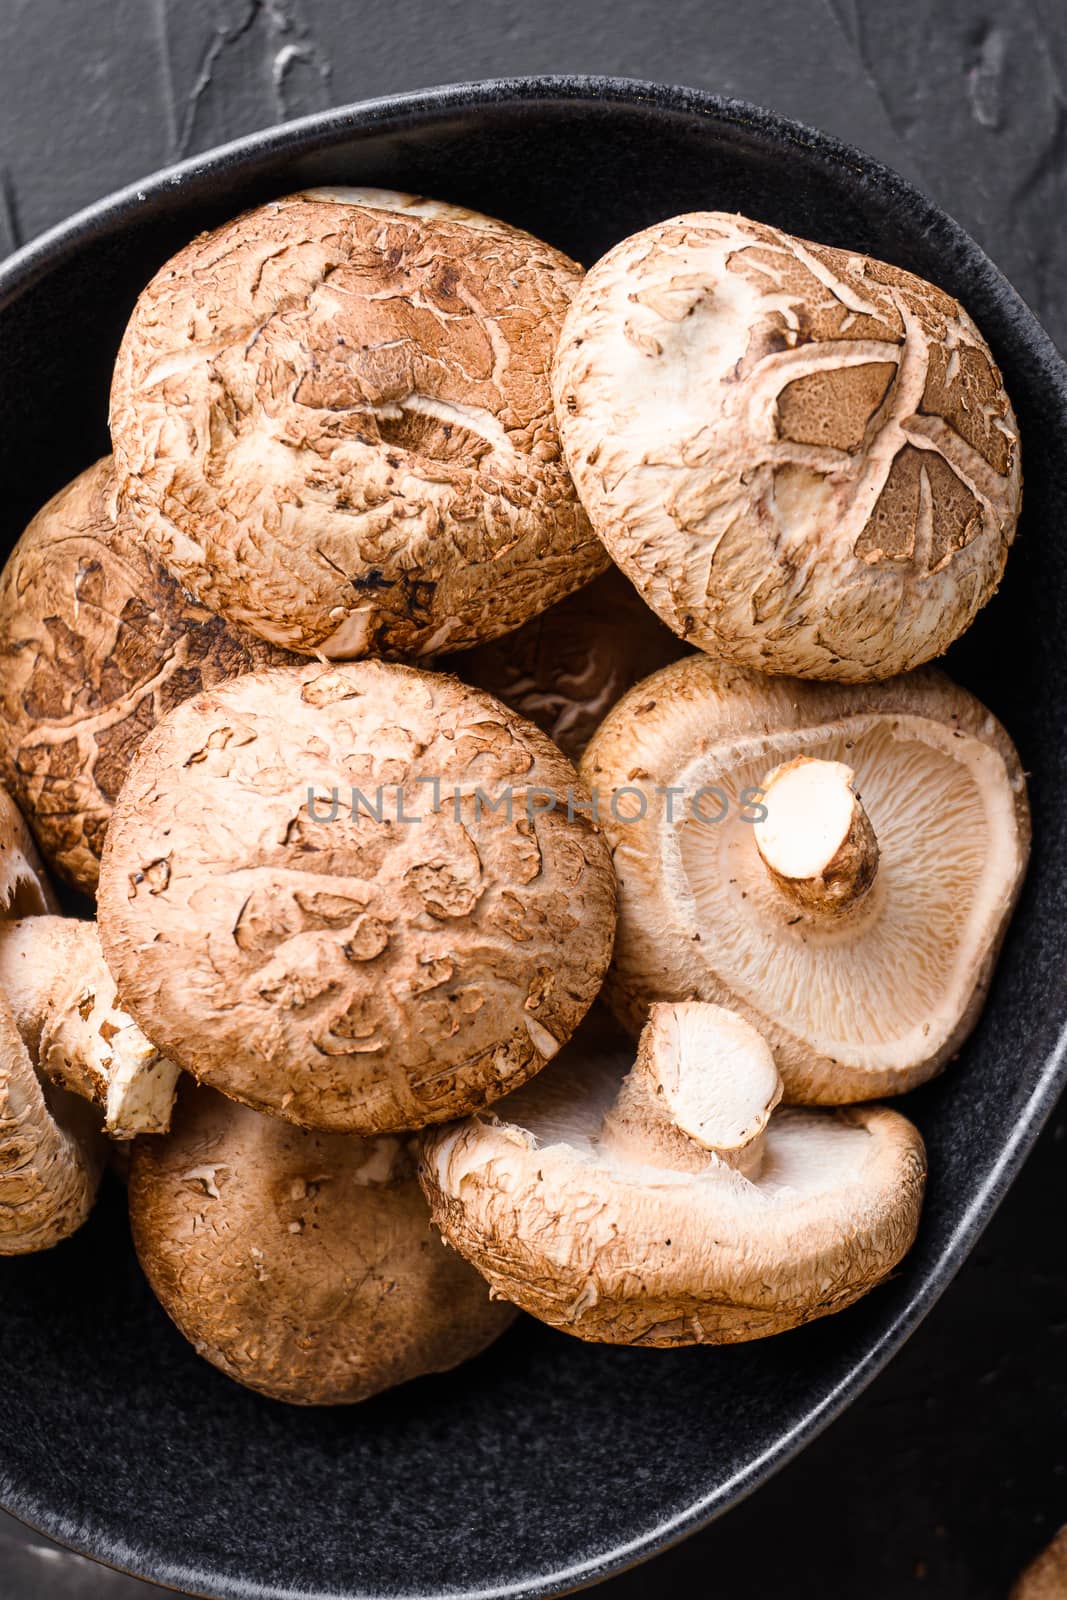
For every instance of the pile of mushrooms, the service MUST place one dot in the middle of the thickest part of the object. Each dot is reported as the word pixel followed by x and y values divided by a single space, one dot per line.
pixel 404 516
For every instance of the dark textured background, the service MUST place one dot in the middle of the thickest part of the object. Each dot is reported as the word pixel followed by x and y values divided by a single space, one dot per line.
pixel 952 1469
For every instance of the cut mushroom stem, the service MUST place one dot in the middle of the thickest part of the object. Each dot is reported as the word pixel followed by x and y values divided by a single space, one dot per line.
pixel 816 840
pixel 50 1156
pixel 704 1084
pixel 63 1001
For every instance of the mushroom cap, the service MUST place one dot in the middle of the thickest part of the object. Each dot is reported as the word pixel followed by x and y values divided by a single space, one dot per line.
pixel 301 1264
pixel 333 424
pixel 589 1236
pixel 566 668
pixel 51 1151
pixel 405 962
pixel 869 1005
pixel 803 458
pixel 1046 1576
pixel 24 887
pixel 96 643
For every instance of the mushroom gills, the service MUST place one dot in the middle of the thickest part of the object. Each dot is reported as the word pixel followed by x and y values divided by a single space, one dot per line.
pixel 673 1204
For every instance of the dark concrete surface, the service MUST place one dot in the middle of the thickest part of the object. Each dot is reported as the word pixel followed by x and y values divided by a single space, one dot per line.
pixel 952 1469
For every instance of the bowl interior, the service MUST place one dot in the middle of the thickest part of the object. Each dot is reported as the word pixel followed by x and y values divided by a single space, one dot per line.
pixel 547 1462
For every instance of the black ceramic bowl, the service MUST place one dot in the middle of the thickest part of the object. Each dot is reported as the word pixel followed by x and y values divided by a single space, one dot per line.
pixel 547 1463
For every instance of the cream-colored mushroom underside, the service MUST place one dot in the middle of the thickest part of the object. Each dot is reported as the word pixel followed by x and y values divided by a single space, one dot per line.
pixel 806 1153
pixel 892 983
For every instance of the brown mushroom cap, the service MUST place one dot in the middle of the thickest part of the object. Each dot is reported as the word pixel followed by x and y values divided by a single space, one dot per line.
pixel 803 458
pixel 96 643
pixel 648 1240
pixel 301 1264
pixel 1046 1576
pixel 51 1153
pixel 853 1006
pixel 405 960
pixel 566 668
pixel 333 424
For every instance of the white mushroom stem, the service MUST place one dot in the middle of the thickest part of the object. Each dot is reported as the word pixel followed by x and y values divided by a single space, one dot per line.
pixel 63 1000
pixel 816 840
pixel 50 1163
pixel 704 1084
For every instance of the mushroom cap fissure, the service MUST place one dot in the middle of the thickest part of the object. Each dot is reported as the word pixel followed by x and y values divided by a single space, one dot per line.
pixel 301 1264
pixel 805 459
pixel 593 1241
pixel 852 1009
pixel 96 643
pixel 333 424
pixel 407 960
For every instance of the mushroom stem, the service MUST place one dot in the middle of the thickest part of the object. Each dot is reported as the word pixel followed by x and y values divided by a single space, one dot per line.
pixel 62 998
pixel 50 1158
pixel 816 840
pixel 704 1084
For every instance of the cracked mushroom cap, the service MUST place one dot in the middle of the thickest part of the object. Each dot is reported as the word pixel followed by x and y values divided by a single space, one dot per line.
pixel 858 924
pixel 51 1153
pixel 566 668
pixel 308 901
pixel 301 1264
pixel 675 1205
pixel 332 423
pixel 803 458
pixel 96 643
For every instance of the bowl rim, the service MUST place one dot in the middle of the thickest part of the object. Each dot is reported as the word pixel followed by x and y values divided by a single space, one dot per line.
pixel 33 261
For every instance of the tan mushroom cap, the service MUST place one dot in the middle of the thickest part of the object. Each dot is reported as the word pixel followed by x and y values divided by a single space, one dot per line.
pixel 96 643
pixel 51 1154
pixel 301 1264
pixel 1046 1576
pixel 803 458
pixel 566 668
pixel 405 960
pixel 853 1006
pixel 644 1236
pixel 333 425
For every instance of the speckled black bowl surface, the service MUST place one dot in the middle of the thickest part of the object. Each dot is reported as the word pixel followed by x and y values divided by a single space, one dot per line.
pixel 547 1463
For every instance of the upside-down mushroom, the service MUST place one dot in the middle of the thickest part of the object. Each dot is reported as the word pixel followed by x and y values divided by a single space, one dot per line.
pixel 837 863
pixel 301 1264
pixel 332 422
pixel 51 1151
pixel 96 642
pixel 676 1205
pixel 566 668
pixel 356 896
pixel 803 458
